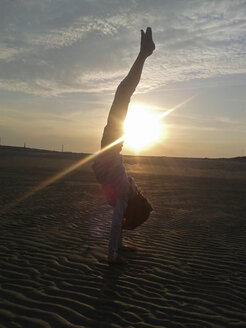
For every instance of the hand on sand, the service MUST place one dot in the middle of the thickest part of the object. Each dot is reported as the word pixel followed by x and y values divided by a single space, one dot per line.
pixel 147 44
pixel 118 260
pixel 126 248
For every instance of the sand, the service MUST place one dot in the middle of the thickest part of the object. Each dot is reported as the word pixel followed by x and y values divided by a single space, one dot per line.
pixel 190 267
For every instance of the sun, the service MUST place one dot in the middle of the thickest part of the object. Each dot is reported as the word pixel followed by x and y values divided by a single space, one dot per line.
pixel 141 128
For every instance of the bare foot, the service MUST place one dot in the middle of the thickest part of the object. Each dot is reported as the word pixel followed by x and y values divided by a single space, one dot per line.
pixel 147 44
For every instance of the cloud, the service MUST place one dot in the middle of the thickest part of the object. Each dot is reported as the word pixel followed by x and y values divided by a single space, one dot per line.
pixel 50 48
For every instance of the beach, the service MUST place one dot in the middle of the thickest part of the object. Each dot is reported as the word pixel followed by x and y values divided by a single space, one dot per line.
pixel 190 266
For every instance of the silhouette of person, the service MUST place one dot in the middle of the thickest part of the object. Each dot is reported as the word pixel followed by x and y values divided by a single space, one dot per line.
pixel 108 167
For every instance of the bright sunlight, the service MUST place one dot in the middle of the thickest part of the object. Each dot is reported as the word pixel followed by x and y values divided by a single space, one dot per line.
pixel 141 127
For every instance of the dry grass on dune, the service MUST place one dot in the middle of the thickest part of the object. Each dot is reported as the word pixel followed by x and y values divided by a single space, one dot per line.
pixel 189 270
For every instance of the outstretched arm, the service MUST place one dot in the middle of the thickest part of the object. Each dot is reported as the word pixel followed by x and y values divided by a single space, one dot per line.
pixel 127 87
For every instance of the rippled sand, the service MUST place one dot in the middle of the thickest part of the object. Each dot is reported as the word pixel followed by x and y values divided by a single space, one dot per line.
pixel 190 267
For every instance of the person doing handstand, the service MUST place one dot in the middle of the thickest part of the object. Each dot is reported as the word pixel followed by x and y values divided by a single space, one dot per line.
pixel 120 190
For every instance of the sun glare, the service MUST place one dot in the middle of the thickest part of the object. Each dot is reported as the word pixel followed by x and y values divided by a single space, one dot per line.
pixel 141 128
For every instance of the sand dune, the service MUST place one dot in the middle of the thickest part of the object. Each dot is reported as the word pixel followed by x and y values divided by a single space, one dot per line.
pixel 189 270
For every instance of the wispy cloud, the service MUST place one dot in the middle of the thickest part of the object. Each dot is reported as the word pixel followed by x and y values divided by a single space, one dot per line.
pixel 49 48
pixel 199 123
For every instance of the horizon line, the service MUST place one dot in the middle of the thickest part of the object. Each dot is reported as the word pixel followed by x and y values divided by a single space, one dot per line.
pixel 126 155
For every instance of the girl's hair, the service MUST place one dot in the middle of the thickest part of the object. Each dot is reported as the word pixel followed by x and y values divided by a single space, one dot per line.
pixel 137 211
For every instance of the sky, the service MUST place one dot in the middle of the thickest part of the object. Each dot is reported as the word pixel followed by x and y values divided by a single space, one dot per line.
pixel 61 61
